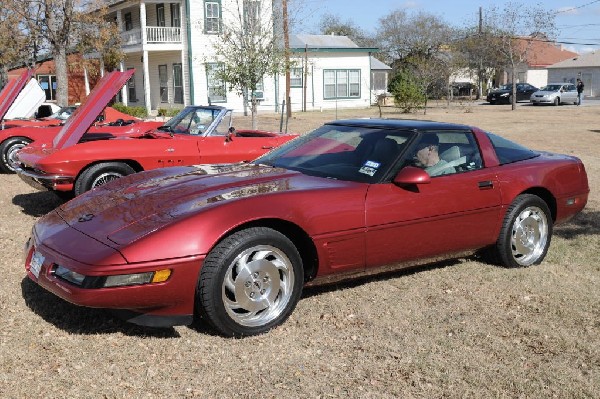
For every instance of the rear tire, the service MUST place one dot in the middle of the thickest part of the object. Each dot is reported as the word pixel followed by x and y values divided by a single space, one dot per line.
pixel 8 152
pixel 526 233
pixel 250 282
pixel 100 174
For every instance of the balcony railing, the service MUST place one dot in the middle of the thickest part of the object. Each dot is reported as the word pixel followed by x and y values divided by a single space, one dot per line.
pixel 154 34
pixel 159 34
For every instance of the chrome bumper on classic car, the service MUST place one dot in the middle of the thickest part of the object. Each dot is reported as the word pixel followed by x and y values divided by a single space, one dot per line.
pixel 41 181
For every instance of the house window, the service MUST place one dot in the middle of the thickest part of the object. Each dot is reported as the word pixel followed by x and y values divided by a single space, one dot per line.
pixel 212 16
pixel 251 14
pixel 175 15
pixel 131 94
pixel 379 81
pixel 48 84
pixel 160 15
pixel 341 83
pixel 164 80
pixel 128 21
pixel 177 84
pixel 216 87
pixel 296 77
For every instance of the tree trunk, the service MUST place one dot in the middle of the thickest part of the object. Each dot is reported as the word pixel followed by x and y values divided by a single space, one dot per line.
pixel 62 78
pixel 254 110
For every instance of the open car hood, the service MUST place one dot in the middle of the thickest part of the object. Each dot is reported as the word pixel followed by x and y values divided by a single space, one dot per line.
pixel 85 115
pixel 11 91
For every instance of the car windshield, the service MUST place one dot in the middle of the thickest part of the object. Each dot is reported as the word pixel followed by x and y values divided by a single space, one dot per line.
pixel 506 87
pixel 353 153
pixel 63 113
pixel 551 88
pixel 193 120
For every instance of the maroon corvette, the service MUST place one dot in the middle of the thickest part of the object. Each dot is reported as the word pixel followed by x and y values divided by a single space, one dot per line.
pixel 235 244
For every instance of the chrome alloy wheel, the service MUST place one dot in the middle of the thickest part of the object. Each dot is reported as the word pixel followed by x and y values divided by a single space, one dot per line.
pixel 258 285
pixel 529 235
pixel 105 178
pixel 11 155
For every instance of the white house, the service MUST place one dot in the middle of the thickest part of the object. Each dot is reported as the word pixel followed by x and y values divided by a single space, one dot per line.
pixel 585 66
pixel 169 45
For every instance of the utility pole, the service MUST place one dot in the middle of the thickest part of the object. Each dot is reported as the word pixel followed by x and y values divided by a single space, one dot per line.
pixel 286 41
pixel 480 72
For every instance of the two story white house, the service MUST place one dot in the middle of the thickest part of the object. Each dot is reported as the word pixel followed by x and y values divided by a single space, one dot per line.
pixel 169 45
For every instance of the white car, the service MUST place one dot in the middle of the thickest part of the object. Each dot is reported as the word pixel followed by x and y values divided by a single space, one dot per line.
pixel 555 93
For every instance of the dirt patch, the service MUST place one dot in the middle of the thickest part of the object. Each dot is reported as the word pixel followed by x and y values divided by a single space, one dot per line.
pixel 455 329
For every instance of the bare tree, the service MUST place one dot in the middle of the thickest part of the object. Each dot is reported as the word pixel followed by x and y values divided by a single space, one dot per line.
pixel 418 44
pixel 514 30
pixel 57 26
pixel 333 25
pixel 248 49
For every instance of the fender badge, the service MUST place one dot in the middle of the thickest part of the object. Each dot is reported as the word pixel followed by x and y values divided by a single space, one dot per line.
pixel 86 218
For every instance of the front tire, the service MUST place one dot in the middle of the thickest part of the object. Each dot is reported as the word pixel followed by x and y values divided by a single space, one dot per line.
pixel 526 232
pixel 250 282
pixel 100 174
pixel 8 152
pixel 556 102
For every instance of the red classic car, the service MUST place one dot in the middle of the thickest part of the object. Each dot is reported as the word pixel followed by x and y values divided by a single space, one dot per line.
pixel 17 133
pixel 198 134
pixel 235 244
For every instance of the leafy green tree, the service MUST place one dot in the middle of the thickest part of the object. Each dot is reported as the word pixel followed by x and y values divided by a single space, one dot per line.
pixel 332 25
pixel 407 91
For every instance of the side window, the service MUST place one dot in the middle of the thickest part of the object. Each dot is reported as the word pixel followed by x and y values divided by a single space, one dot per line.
pixel 447 152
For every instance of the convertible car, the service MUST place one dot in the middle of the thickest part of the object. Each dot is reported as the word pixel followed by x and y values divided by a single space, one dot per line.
pixel 235 244
pixel 198 134
pixel 17 133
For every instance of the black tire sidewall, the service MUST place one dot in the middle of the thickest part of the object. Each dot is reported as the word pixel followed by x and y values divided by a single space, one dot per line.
pixel 209 302
pixel 503 245
pixel 84 181
pixel 4 149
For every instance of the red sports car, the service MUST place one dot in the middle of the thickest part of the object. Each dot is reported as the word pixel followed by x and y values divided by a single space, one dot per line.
pixel 235 244
pixel 198 134
pixel 17 133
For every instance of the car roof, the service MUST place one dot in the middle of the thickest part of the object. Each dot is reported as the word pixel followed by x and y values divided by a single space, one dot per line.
pixel 406 124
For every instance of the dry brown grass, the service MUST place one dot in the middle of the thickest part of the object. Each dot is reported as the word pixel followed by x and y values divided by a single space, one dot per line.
pixel 454 329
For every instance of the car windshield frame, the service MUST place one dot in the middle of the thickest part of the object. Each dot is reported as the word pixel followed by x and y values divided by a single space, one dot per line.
pixel 198 121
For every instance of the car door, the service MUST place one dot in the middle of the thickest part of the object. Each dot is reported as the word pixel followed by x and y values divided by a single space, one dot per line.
pixel 452 213
pixel 570 93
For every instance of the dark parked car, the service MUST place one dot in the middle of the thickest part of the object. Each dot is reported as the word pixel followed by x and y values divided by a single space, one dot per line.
pixel 504 93
pixel 236 243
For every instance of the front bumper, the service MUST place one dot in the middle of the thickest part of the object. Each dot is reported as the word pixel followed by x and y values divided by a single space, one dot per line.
pixel 43 182
pixel 541 100
pixel 154 304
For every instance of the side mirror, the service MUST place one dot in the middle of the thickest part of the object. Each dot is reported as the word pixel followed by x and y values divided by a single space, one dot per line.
pixel 411 175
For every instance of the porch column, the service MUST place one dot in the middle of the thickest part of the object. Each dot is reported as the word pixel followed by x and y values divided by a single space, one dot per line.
pixel 124 89
pixel 86 81
pixel 147 97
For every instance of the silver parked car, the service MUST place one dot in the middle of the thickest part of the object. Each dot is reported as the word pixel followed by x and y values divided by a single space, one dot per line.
pixel 555 93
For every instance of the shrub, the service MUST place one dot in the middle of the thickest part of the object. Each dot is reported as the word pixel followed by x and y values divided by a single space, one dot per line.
pixel 138 112
pixel 407 92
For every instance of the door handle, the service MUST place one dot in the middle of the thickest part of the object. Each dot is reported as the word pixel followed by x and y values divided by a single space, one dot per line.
pixel 170 149
pixel 267 147
pixel 483 185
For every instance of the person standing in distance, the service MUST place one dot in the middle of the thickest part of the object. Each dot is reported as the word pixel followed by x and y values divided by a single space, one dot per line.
pixel 579 91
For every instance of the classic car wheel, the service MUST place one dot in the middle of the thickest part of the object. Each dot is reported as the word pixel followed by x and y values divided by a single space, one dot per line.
pixel 250 282
pixel 556 101
pixel 8 152
pixel 100 174
pixel 526 232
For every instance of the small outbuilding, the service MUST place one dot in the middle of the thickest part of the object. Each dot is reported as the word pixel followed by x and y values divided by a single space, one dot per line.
pixel 585 67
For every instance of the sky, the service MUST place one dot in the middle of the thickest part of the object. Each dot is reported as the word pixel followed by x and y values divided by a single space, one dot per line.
pixel 577 21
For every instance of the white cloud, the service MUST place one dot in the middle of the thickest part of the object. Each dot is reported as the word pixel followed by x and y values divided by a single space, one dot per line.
pixel 410 4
